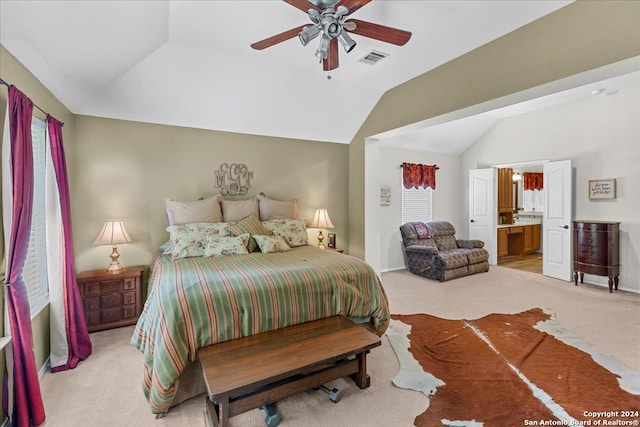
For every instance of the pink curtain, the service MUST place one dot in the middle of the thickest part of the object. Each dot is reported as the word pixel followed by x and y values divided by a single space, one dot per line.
pixel 28 408
pixel 416 175
pixel 532 181
pixel 78 343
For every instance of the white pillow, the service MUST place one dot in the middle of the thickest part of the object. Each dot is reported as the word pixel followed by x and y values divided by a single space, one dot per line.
pixel 222 246
pixel 270 244
pixel 206 210
pixel 236 210
pixel 277 209
pixel 293 231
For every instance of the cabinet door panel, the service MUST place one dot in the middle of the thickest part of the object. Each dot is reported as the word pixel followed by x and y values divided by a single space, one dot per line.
pixel 536 237
pixel 528 238
pixel 503 241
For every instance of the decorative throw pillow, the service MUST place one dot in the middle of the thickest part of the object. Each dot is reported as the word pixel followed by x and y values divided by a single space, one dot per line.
pixel 189 240
pixel 271 244
pixel 236 210
pixel 251 225
pixel 206 210
pixel 293 231
pixel 222 246
pixel 277 209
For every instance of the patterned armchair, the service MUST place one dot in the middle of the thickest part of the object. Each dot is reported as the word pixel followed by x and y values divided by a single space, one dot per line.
pixel 432 250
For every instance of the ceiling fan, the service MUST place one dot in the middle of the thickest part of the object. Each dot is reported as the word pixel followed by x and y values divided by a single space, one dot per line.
pixel 331 21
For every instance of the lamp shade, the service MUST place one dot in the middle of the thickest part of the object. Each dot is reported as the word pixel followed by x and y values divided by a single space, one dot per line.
pixel 321 219
pixel 113 233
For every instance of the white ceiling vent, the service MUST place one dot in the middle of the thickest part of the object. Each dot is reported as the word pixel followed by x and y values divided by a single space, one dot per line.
pixel 373 57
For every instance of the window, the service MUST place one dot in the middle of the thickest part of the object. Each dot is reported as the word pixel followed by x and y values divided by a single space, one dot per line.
pixel 416 204
pixel 35 267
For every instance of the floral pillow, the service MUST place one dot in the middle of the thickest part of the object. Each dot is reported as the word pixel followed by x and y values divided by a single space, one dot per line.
pixel 222 246
pixel 251 225
pixel 270 244
pixel 293 231
pixel 189 240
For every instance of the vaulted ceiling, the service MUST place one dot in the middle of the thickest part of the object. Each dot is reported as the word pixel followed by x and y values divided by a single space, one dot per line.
pixel 189 63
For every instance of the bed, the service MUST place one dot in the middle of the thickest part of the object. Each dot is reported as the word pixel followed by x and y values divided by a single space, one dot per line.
pixel 197 301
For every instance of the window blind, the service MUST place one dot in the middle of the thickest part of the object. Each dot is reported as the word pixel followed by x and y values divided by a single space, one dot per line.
pixel 416 204
pixel 35 267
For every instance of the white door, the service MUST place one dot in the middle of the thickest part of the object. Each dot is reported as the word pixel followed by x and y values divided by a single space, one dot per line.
pixel 482 210
pixel 556 221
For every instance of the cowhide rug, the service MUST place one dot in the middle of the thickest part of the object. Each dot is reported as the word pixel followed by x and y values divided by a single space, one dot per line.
pixel 510 370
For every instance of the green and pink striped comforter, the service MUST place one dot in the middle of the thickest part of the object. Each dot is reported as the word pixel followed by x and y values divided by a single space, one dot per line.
pixel 194 302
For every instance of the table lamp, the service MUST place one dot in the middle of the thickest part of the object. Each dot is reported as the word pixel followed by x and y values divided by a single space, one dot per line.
pixel 113 233
pixel 321 220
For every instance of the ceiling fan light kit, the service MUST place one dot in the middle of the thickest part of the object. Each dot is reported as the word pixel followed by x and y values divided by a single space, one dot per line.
pixel 308 33
pixel 329 18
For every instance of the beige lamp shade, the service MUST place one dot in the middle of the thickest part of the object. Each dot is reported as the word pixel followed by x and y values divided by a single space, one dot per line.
pixel 321 220
pixel 113 233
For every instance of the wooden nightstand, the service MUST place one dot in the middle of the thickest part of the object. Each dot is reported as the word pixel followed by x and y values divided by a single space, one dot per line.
pixel 111 300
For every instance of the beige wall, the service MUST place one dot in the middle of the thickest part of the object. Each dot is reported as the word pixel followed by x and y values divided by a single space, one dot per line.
pixel 579 37
pixel 126 170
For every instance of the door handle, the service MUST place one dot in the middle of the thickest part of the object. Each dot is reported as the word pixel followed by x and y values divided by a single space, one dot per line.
pixel 473 220
pixel 566 227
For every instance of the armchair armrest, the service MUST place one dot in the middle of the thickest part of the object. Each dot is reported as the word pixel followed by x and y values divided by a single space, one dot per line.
pixel 470 244
pixel 421 249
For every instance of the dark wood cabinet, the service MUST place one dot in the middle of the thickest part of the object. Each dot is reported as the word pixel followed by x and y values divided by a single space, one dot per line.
pixel 596 250
pixel 111 300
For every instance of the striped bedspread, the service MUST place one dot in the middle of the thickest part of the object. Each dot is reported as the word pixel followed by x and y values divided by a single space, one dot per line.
pixel 194 302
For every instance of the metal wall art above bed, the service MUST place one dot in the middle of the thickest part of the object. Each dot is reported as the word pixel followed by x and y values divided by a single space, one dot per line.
pixel 234 179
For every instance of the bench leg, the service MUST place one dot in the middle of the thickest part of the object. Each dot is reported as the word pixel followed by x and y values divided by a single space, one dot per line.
pixel 361 378
pixel 271 417
pixel 218 414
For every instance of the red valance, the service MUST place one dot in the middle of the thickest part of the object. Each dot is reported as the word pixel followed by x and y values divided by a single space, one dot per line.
pixel 532 181
pixel 416 175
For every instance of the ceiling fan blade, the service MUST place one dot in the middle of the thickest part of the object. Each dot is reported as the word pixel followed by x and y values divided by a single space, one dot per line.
pixel 278 38
pixel 352 5
pixel 331 61
pixel 303 5
pixel 380 32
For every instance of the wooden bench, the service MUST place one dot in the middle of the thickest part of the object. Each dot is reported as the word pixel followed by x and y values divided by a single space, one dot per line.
pixel 261 369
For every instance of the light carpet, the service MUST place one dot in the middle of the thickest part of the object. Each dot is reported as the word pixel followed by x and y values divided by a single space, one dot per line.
pixel 105 390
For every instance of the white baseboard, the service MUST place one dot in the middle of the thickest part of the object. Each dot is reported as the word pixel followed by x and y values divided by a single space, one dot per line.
pixel 386 270
pixel 45 368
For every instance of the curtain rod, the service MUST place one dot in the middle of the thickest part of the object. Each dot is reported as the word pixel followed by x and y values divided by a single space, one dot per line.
pixel 402 165
pixel 8 85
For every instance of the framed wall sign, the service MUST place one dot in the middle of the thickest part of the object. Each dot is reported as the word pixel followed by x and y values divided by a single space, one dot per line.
pixel 602 188
pixel 385 195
